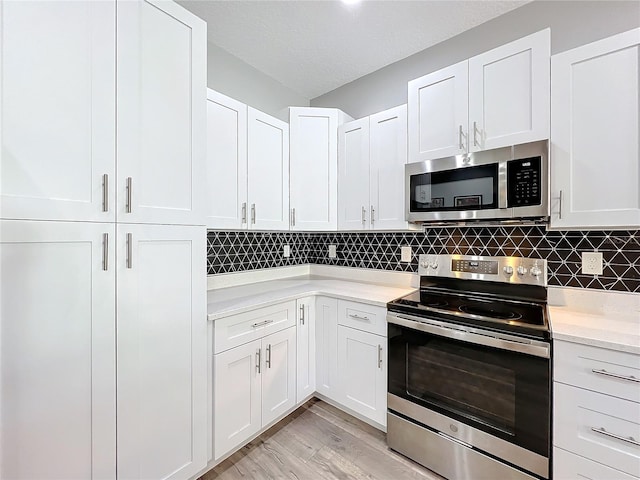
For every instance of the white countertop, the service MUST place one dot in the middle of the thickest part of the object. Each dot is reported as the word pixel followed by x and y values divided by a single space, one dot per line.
pixel 229 301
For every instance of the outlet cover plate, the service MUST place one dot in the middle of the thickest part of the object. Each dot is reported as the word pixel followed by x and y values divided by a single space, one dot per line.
pixel 286 251
pixel 592 263
pixel 332 251
pixel 405 254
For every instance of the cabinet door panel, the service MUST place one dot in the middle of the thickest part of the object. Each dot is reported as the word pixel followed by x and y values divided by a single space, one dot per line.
pixel 161 113
pixel 438 111
pixel 226 162
pixel 161 351
pixel 327 347
pixel 509 93
pixel 353 175
pixel 594 137
pixel 57 363
pixel 268 171
pixel 388 147
pixel 306 348
pixel 568 466
pixel 237 413
pixel 279 374
pixel 59 140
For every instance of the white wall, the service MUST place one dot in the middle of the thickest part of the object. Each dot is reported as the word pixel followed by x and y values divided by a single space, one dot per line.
pixel 572 23
pixel 231 76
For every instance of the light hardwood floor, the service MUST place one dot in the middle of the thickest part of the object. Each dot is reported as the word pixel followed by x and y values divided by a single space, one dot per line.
pixel 318 441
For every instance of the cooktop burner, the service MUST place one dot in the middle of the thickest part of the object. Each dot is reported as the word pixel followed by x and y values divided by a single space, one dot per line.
pixel 490 311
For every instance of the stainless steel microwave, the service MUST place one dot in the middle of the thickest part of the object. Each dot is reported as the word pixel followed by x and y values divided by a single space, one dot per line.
pixel 510 183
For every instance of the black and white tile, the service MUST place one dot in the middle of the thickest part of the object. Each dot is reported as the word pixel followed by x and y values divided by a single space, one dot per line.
pixel 240 251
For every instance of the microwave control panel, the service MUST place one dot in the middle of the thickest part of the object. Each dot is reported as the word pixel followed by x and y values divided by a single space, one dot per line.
pixel 524 180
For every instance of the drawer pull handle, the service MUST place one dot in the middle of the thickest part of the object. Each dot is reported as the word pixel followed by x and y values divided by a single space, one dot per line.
pixel 602 431
pixel 260 324
pixel 629 378
pixel 358 317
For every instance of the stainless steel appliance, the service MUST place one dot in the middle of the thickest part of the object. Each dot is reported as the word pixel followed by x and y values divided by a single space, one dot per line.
pixel 469 382
pixel 504 184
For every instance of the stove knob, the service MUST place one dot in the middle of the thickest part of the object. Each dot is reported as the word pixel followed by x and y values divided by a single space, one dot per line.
pixel 434 265
pixel 521 270
pixel 424 264
pixel 508 270
pixel 535 271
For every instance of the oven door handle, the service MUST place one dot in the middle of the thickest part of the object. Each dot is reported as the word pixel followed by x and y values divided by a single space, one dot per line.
pixel 503 342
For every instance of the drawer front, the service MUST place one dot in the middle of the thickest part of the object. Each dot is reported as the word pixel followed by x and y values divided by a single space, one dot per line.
pixel 587 423
pixel 238 329
pixel 568 466
pixel 598 369
pixel 361 316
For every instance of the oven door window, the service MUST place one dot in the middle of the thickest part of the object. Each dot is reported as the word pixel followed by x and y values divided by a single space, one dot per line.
pixel 497 391
pixel 470 188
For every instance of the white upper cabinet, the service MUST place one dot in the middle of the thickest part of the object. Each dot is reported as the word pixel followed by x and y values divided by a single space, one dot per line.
pixel 388 156
pixel 509 93
pixel 268 172
pixel 438 108
pixel 57 105
pixel 496 99
pixel 314 167
pixel 226 162
pixel 161 115
pixel 595 167
pixel 353 176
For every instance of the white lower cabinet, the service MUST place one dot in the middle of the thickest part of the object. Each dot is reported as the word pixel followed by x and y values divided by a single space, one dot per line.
pixel 306 348
pixel 278 374
pixel 327 347
pixel 568 466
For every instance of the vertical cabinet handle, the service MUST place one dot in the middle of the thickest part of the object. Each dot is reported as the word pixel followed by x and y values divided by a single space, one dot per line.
pixel 105 192
pixel 460 135
pixel 293 217
pixel 253 214
pixel 129 250
pixel 475 134
pixel 373 215
pixel 364 215
pixel 268 360
pixel 380 356
pixel 244 212
pixel 560 206
pixel 105 251
pixel 302 314
pixel 258 360
pixel 128 201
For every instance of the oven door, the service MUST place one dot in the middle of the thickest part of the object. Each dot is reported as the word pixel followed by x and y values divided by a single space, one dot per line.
pixel 490 383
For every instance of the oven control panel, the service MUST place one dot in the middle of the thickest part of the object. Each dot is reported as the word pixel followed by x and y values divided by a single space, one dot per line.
pixel 529 271
pixel 524 180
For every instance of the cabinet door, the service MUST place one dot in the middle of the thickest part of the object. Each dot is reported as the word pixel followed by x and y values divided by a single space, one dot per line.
pixel 595 169
pixel 161 119
pixel 278 374
pixel 226 162
pixel 306 348
pixel 438 112
pixel 362 366
pixel 57 368
pixel 353 175
pixel 327 347
pixel 237 397
pixel 57 105
pixel 268 171
pixel 162 356
pixel 509 93
pixel 568 466
pixel 314 168
pixel 388 147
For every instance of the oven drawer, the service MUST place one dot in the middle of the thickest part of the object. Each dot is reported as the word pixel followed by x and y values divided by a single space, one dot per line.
pixel 599 427
pixel 245 327
pixel 361 316
pixel 598 369
pixel 568 466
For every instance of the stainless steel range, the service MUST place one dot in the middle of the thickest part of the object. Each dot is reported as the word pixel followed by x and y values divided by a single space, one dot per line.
pixel 470 370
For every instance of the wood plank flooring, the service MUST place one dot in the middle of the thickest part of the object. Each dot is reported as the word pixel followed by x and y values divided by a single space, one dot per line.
pixel 318 441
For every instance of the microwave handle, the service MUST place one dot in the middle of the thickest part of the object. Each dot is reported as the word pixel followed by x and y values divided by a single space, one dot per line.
pixel 503 185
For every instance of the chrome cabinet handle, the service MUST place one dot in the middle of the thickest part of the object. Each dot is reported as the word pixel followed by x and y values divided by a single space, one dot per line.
pixel 260 324
pixel 268 360
pixel 105 192
pixel 244 212
pixel 293 217
pixel 129 188
pixel 629 378
pixel 302 314
pixel 258 360
pixel 602 431
pixel 364 215
pixel 460 136
pixel 253 213
pixel 475 134
pixel 560 206
pixel 358 317
pixel 105 251
pixel 373 214
pixel 129 250
pixel 380 356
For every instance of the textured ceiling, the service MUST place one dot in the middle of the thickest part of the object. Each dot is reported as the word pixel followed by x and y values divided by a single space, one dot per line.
pixel 313 47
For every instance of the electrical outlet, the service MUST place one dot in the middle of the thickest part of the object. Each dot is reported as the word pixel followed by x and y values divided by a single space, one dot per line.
pixel 592 263
pixel 286 251
pixel 405 254
pixel 332 251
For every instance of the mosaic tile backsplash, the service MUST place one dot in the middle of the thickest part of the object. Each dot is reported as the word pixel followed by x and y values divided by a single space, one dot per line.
pixel 229 251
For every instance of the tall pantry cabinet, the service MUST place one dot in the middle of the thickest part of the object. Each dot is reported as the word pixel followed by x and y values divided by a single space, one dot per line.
pixel 103 310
